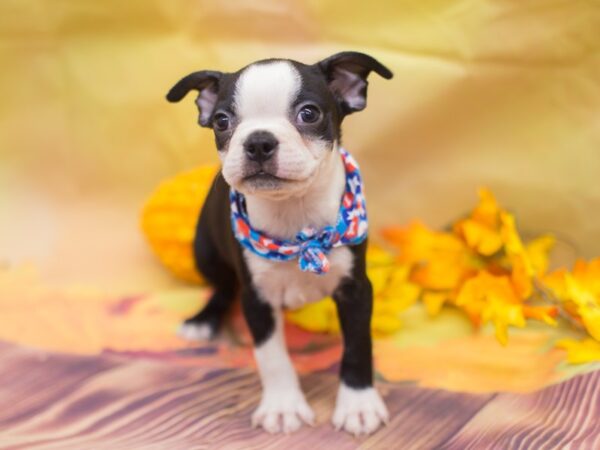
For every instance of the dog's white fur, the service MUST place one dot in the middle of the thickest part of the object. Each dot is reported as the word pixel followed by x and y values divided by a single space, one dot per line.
pixel 359 411
pixel 282 283
pixel 263 97
pixel 282 399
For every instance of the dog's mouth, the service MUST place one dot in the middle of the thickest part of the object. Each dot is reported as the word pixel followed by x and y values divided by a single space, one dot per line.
pixel 261 180
pixel 263 176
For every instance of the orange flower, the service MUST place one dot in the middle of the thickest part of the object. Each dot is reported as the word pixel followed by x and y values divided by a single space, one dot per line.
pixel 481 231
pixel 440 261
pixel 490 298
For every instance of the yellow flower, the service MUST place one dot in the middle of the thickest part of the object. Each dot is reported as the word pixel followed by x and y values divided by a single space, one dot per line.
pixel 580 293
pixel 579 352
pixel 587 304
pixel 513 245
pixel 521 277
pixel 434 301
pixel 482 266
pixel 319 317
pixel 544 313
pixel 537 252
pixel 588 274
pixel 169 218
pixel 487 210
pixel 393 293
pixel 480 238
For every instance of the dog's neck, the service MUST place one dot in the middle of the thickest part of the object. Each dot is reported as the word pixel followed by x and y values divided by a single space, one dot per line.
pixel 317 207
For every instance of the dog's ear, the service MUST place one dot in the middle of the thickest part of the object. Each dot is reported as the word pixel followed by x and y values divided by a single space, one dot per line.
pixel 206 82
pixel 347 73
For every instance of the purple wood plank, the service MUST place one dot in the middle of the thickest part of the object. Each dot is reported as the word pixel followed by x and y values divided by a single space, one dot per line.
pixel 136 403
pixel 54 401
pixel 566 415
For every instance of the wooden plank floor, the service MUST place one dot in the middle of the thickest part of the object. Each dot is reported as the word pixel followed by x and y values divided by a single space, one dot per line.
pixel 56 401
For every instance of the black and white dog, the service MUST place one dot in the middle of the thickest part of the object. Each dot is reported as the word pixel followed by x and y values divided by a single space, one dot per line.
pixel 277 130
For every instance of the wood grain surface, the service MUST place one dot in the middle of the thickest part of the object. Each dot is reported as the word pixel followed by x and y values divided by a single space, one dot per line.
pixel 58 401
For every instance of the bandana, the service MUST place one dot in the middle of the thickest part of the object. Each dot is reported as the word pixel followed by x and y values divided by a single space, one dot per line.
pixel 311 246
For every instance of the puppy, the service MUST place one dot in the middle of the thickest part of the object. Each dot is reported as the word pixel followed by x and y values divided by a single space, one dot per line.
pixel 285 223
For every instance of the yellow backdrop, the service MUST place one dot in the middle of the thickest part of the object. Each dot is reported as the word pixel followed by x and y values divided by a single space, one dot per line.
pixel 504 94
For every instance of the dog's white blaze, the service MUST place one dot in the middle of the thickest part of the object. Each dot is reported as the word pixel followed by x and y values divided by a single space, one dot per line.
pixel 266 90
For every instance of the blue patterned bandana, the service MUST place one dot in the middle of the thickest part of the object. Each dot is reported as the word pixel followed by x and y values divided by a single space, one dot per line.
pixel 310 246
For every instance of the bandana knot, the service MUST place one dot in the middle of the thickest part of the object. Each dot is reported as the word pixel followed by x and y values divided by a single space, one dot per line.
pixel 311 246
pixel 314 248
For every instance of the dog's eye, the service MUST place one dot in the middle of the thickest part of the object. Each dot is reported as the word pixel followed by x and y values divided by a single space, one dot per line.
pixel 309 114
pixel 221 121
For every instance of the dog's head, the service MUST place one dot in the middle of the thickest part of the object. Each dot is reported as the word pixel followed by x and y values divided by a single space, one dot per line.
pixel 276 121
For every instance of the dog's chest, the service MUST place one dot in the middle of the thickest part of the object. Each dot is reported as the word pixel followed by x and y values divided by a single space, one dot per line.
pixel 283 284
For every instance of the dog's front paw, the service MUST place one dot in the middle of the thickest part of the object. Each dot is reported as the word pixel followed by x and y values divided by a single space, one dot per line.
pixel 282 412
pixel 359 411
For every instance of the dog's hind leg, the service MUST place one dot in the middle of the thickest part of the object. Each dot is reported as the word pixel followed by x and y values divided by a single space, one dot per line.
pixel 206 323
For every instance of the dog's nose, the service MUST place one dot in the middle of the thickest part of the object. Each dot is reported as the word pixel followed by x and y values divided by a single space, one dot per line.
pixel 260 146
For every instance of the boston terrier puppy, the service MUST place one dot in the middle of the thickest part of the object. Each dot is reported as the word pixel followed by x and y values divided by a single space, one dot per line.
pixel 285 223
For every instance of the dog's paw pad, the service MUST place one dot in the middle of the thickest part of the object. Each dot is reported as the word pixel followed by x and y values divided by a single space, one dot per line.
pixel 283 413
pixel 195 331
pixel 359 411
